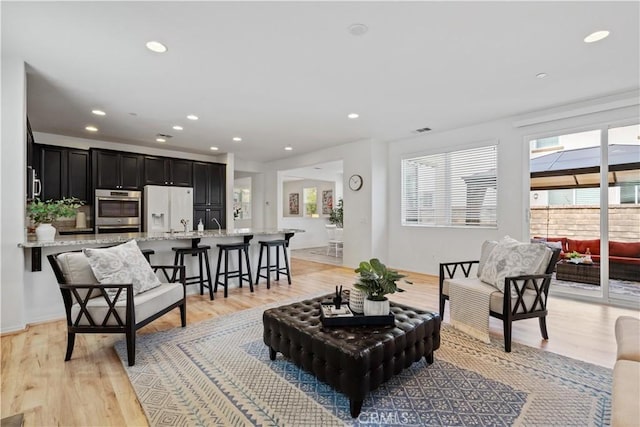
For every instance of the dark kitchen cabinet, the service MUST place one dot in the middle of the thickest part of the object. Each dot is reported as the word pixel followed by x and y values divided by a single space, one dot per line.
pixel 78 175
pixel 207 214
pixel 209 184
pixel 64 172
pixel 181 172
pixel 117 170
pixel 164 171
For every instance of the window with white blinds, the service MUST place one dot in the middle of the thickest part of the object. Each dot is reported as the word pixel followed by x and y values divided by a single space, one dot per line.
pixel 456 188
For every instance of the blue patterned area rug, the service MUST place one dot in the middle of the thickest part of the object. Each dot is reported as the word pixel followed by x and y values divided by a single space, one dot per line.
pixel 218 373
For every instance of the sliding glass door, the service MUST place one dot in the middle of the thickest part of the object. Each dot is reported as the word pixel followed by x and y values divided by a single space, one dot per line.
pixel 585 199
pixel 623 152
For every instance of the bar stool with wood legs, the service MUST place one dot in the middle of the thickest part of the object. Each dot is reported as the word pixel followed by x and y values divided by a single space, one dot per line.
pixel 242 248
pixel 201 251
pixel 268 244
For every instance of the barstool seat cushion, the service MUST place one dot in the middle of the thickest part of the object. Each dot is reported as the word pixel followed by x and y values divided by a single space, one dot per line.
pixel 273 242
pixel 232 245
pixel 188 249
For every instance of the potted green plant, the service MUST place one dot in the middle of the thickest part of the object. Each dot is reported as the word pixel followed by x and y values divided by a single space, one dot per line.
pixel 335 216
pixel 376 281
pixel 42 214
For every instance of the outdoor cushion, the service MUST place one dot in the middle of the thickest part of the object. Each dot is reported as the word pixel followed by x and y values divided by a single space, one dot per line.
pixel 624 249
pixel 581 246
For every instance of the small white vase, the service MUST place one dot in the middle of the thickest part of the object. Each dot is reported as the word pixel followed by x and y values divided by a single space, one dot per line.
pixel 376 308
pixel 45 233
pixel 356 300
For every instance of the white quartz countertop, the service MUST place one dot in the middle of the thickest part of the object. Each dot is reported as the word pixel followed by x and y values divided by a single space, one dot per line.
pixel 101 239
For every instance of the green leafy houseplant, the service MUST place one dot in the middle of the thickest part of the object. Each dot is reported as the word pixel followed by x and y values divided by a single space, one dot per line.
pixel 335 216
pixel 376 280
pixel 46 212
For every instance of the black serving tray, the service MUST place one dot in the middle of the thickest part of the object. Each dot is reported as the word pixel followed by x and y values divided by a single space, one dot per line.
pixel 357 319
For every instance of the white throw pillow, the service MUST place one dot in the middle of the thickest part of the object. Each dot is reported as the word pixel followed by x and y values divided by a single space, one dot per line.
pixel 513 258
pixel 122 264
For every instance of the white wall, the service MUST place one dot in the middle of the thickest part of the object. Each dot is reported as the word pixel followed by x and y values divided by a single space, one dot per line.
pixel 358 213
pixel 13 190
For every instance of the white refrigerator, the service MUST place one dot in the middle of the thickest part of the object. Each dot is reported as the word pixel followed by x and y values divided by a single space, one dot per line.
pixel 166 207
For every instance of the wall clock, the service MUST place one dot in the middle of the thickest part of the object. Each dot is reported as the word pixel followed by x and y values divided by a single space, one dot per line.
pixel 355 182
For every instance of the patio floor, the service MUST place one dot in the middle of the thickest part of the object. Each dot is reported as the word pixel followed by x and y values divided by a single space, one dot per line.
pixel 617 287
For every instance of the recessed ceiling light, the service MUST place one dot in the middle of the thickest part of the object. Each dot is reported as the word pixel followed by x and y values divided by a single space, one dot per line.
pixel 237 139
pixel 91 128
pixel 353 115
pixel 541 75
pixel 155 46
pixel 597 36
pixel 178 127
pixel 357 29
pixel 99 112
pixel 288 148
pixel 161 140
pixel 192 117
pixel 213 148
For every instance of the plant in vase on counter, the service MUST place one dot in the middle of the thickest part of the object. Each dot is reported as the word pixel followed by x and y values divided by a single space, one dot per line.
pixel 42 214
pixel 376 281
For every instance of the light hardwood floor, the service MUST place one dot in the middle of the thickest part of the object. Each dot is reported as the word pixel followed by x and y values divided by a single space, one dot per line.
pixel 93 389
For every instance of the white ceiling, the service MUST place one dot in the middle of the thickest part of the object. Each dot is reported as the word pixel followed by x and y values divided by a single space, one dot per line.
pixel 288 73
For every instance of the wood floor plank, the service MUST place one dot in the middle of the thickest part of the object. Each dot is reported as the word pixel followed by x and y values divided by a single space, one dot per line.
pixel 93 389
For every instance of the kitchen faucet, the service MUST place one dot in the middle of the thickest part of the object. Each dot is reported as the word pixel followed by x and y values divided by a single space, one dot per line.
pixel 219 227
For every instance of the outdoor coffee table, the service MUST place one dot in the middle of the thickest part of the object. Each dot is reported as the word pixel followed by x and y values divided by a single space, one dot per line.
pixel 582 273
pixel 354 360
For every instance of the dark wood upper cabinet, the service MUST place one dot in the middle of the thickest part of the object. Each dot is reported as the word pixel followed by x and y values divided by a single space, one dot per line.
pixel 130 171
pixel 200 183
pixel 64 172
pixel 209 183
pixel 181 172
pixel 155 172
pixel 78 184
pixel 165 171
pixel 52 173
pixel 117 170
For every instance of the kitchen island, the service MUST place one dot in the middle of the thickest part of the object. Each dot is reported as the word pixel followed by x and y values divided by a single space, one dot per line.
pixel 91 240
pixel 41 288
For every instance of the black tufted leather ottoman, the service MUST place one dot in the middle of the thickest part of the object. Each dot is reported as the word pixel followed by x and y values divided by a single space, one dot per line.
pixel 352 359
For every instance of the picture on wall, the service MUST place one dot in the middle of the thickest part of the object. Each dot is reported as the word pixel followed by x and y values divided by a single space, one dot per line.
pixel 327 202
pixel 294 204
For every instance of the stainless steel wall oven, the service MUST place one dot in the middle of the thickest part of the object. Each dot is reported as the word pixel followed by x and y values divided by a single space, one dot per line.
pixel 118 211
